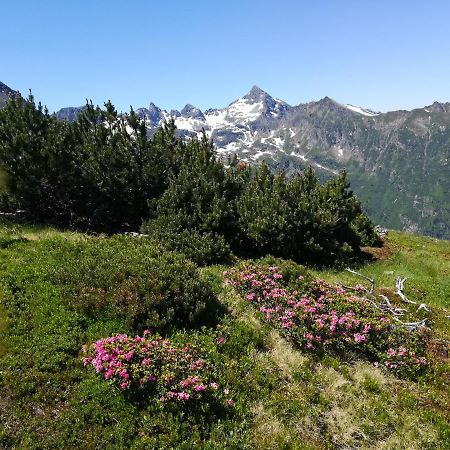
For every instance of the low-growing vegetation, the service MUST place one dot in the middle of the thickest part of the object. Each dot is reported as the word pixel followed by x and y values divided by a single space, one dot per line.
pixel 139 341
pixel 319 316
pixel 235 377
pixel 135 280
pixel 152 367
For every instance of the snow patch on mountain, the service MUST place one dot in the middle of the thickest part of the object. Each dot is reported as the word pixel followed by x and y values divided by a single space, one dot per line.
pixel 359 110
pixel 298 155
pixel 215 118
pixel 243 111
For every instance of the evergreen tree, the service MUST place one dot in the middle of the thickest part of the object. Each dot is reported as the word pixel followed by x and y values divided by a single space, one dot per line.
pixel 36 153
pixel 200 196
pixel 103 172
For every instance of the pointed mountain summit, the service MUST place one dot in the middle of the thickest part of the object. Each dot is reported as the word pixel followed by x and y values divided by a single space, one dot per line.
pixel 327 104
pixel 175 113
pixel 256 94
pixel 152 115
pixel 256 104
pixel 437 107
pixel 327 101
pixel 191 112
pixel 4 88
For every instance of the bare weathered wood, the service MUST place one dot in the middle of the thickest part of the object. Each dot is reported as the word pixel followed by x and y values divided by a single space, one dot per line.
pixel 371 280
pixel 399 284
pixel 386 300
pixel 424 307
pixel 412 326
pixel 386 306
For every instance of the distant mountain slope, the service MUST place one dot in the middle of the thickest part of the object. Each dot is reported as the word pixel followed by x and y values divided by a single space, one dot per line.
pixel 70 114
pixel 5 93
pixel 398 162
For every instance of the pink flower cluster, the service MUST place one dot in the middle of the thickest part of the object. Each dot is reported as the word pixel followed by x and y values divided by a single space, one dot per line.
pixel 171 373
pixel 319 315
pixel 399 358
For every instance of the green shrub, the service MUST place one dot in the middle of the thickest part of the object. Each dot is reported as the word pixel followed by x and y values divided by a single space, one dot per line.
pixel 202 248
pixel 364 228
pixel 135 279
pixel 299 218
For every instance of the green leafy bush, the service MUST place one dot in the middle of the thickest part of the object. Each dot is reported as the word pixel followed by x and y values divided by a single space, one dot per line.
pixel 203 248
pixel 135 279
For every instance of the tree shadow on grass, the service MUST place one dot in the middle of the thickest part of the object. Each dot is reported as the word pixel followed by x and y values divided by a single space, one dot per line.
pixel 6 242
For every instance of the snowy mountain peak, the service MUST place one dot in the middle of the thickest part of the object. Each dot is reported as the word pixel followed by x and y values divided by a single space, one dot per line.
pixel 152 106
pixel 257 104
pixel 191 112
pixel 256 94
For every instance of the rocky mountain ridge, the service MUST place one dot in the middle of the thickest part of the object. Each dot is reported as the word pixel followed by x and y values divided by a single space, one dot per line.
pixel 398 162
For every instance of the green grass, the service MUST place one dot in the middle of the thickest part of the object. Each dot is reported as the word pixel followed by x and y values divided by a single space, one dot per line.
pixel 284 398
pixel 424 261
pixel 426 264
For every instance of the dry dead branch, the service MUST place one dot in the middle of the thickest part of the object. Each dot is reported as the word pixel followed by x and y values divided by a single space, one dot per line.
pixel 424 307
pixel 412 326
pixel 371 280
pixel 399 284
pixel 387 307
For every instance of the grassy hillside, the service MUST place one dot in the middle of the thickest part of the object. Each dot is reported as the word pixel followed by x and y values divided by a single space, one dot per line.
pixel 423 260
pixel 278 396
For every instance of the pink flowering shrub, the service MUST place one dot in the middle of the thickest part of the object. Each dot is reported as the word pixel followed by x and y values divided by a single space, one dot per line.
pixel 397 358
pixel 319 316
pixel 170 373
pixel 404 352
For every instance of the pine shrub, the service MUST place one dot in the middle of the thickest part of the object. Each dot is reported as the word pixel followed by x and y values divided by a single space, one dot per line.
pixel 202 248
pixel 134 279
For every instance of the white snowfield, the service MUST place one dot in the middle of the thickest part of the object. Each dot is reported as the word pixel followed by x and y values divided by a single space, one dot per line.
pixel 359 110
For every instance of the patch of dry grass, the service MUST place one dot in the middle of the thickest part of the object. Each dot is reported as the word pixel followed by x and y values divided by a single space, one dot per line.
pixel 286 358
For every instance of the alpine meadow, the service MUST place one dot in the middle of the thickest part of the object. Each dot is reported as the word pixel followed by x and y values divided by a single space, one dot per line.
pixel 228 321
pixel 247 274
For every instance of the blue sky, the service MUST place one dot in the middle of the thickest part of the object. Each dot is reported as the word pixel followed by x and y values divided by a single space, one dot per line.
pixel 381 54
